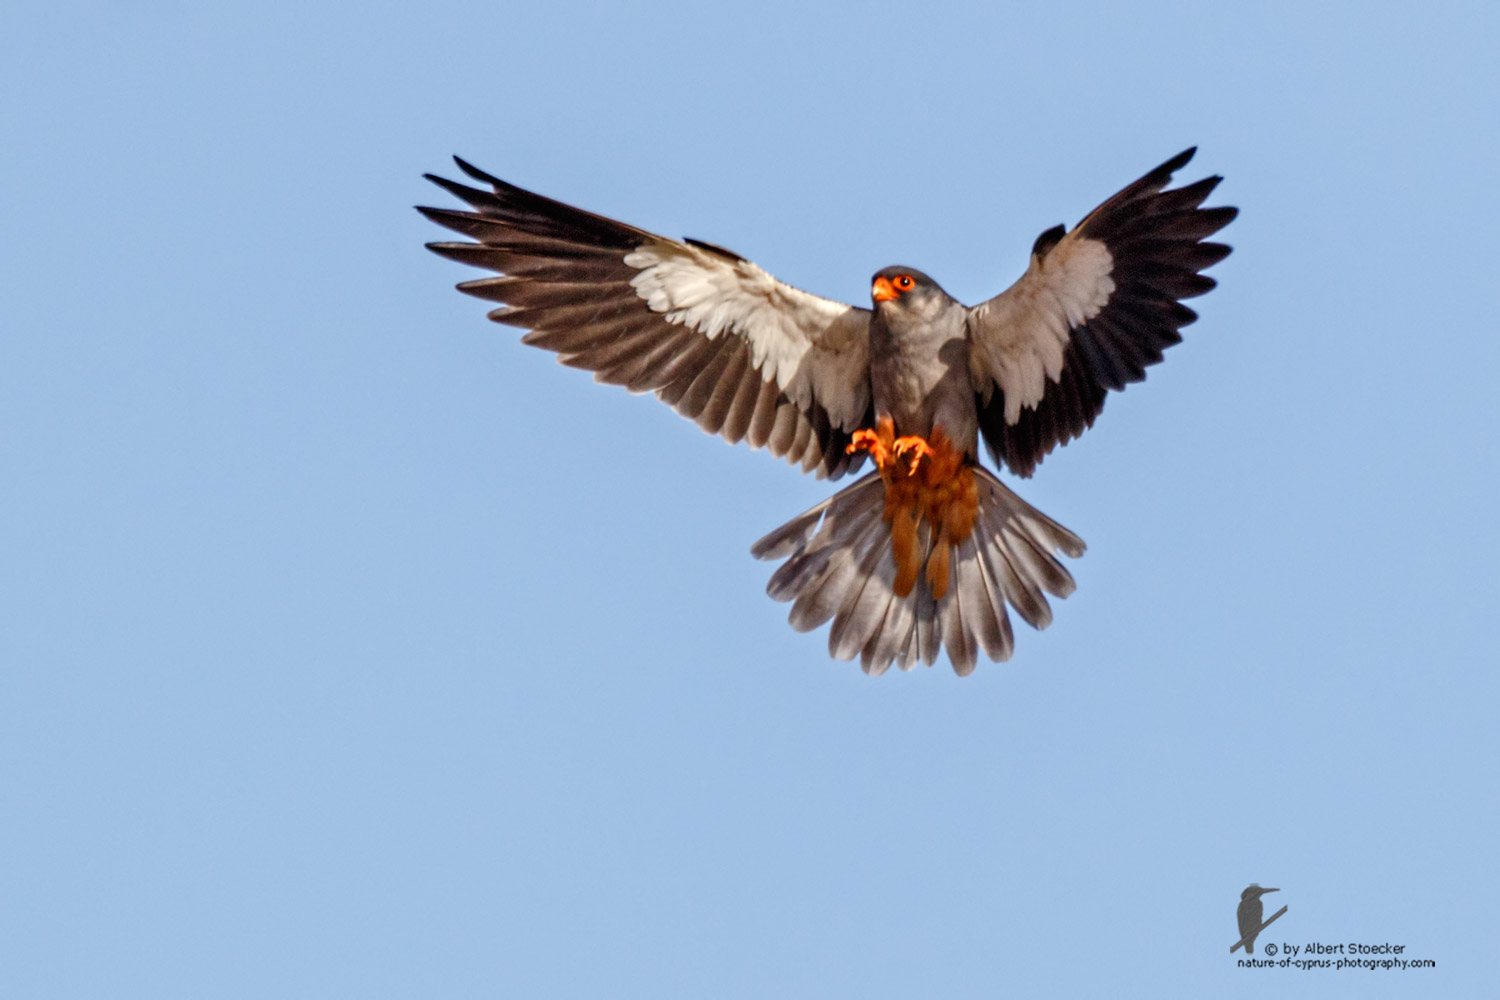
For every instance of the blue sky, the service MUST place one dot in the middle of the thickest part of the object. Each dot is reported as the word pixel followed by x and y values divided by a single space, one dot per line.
pixel 350 648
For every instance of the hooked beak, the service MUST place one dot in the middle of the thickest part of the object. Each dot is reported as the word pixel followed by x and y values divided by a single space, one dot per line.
pixel 883 290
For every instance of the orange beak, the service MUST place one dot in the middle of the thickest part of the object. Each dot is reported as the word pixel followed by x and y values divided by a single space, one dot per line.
pixel 884 291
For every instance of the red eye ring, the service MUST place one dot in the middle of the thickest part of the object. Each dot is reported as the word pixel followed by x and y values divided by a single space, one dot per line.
pixel 904 282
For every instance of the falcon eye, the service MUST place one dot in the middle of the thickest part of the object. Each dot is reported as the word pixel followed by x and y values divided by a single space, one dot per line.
pixel 905 283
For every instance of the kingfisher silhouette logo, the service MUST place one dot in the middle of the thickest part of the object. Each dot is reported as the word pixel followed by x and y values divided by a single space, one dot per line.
pixel 1249 914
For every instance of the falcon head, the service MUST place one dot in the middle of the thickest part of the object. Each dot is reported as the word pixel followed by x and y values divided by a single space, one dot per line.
pixel 901 285
pixel 906 299
pixel 899 289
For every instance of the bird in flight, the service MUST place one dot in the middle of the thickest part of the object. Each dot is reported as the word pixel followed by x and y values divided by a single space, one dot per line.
pixel 926 551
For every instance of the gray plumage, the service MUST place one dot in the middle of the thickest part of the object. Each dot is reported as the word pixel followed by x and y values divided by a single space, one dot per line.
pixel 752 359
pixel 838 566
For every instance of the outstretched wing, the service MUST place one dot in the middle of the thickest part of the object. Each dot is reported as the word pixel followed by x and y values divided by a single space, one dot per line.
pixel 713 335
pixel 1095 307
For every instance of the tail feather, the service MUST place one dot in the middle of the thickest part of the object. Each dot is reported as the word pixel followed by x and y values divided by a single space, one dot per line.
pixel 1019 590
pixel 956 636
pixel 797 532
pixel 839 565
pixel 1042 566
pixel 912 654
pixel 892 636
pixel 855 618
pixel 980 610
pixel 824 594
pixel 929 639
pixel 1002 643
pixel 793 575
pixel 812 562
pixel 809 556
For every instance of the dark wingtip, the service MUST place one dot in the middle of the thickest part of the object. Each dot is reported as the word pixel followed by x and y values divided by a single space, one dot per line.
pixel 474 196
pixel 460 252
pixel 476 173
pixel 459 222
pixel 1176 163
pixel 1048 240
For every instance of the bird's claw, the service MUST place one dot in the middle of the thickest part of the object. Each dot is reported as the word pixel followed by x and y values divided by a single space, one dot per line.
pixel 896 455
pixel 875 442
pixel 910 450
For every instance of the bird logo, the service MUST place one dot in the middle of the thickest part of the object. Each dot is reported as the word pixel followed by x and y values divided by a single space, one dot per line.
pixel 1249 914
pixel 928 551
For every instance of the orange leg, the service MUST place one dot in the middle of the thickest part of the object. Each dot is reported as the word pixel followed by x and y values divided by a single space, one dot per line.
pixel 926 479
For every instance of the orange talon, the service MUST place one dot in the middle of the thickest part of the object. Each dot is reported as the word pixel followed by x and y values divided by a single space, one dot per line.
pixel 878 442
pixel 940 491
pixel 911 450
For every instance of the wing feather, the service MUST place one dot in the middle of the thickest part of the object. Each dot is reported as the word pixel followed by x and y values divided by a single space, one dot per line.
pixel 1096 307
pixel 714 336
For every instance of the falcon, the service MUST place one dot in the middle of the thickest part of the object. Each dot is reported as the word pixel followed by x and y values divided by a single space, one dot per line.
pixel 929 550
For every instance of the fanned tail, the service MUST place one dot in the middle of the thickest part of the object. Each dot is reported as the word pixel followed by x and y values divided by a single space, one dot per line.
pixel 840 565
